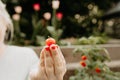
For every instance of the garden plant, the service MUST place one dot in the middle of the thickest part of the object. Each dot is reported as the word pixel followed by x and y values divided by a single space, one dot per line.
pixel 93 67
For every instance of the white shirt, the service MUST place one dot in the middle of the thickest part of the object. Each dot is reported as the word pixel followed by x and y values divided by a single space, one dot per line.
pixel 16 62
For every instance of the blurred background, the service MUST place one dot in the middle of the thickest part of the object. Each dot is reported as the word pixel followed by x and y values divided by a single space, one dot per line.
pixel 68 21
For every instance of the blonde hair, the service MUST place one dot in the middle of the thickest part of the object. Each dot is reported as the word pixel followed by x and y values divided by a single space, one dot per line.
pixel 7 22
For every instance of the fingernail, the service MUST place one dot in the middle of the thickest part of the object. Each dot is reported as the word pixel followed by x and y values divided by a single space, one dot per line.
pixel 47 48
pixel 53 47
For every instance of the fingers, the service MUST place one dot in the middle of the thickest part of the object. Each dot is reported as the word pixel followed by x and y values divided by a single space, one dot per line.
pixel 49 63
pixel 56 56
pixel 52 63
pixel 64 62
pixel 59 61
pixel 42 73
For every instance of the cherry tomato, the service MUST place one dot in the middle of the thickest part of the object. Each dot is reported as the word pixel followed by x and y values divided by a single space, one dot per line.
pixel 50 41
pixel 83 63
pixel 84 57
pixel 98 70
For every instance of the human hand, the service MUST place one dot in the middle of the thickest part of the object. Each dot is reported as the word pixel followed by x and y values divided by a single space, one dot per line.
pixel 52 64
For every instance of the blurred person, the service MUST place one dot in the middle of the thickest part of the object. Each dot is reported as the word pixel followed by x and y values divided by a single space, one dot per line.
pixel 21 63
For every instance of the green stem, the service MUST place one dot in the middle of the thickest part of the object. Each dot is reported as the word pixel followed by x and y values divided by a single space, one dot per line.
pixel 17 27
pixel 54 19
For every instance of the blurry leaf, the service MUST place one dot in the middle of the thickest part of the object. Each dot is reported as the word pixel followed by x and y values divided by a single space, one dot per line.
pixel 83 40
pixel 51 29
pixel 107 53
pixel 23 35
pixel 40 40
pixel 95 59
pixel 59 32
pixel 97 78
pixel 72 78
pixel 87 78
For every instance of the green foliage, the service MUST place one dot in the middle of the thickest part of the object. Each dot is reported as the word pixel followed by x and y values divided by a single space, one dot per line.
pixel 55 33
pixel 92 40
pixel 87 23
pixel 90 12
pixel 55 30
pixel 39 31
pixel 84 40
pixel 19 36
pixel 96 57
pixel 37 36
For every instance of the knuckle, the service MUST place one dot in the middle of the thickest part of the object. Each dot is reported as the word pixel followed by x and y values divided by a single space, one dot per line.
pixel 49 65
pixel 59 63
pixel 59 70
pixel 49 70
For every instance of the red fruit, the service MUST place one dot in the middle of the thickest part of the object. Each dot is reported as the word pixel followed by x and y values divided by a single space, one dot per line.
pixel 83 63
pixel 98 70
pixel 84 57
pixel 50 41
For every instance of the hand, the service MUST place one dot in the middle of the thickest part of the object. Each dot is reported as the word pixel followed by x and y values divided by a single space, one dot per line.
pixel 52 64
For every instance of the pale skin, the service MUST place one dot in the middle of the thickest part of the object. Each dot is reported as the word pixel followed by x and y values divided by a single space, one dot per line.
pixel 52 65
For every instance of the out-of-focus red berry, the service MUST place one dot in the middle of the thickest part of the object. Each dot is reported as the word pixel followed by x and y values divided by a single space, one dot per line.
pixel 98 70
pixel 83 57
pixel 83 63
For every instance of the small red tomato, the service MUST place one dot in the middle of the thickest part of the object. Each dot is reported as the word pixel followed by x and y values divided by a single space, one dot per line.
pixel 50 41
pixel 84 57
pixel 83 63
pixel 98 70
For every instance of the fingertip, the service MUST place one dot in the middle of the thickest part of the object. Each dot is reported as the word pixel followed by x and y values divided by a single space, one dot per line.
pixel 47 51
pixel 47 48
pixel 53 47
